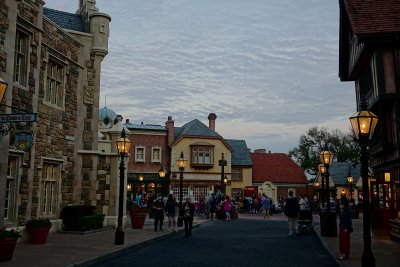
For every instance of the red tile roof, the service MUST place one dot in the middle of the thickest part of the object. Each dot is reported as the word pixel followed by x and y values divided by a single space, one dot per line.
pixel 277 168
pixel 373 17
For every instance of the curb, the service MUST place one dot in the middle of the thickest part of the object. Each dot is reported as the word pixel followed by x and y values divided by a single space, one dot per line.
pixel 125 248
pixel 317 230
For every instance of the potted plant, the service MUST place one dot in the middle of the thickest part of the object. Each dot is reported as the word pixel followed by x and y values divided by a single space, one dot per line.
pixel 39 229
pixel 8 240
pixel 137 212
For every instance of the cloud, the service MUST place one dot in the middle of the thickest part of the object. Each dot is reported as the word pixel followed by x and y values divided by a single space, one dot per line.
pixel 268 69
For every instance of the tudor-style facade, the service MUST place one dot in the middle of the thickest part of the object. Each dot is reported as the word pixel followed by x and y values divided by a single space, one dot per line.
pixel 369 54
pixel 51 61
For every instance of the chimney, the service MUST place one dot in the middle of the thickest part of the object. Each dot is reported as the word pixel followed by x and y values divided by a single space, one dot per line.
pixel 211 121
pixel 169 124
pixel 261 150
pixel 126 121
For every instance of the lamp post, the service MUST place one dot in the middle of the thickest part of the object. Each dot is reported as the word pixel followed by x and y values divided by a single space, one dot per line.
pixel 222 162
pixel 162 173
pixel 123 146
pixel 350 180
pixel 316 185
pixel 322 171
pixel 181 162
pixel 328 218
pixel 363 123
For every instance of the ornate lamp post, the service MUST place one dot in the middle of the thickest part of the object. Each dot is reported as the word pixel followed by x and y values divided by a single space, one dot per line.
pixel 350 180
pixel 322 171
pixel 364 123
pixel 181 162
pixel 316 185
pixel 222 162
pixel 123 146
pixel 162 173
pixel 328 218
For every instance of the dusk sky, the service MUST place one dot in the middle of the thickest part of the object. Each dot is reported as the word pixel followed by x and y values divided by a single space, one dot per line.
pixel 267 68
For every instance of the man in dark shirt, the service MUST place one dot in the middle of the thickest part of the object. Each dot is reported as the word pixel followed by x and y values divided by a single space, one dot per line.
pixel 292 209
pixel 158 209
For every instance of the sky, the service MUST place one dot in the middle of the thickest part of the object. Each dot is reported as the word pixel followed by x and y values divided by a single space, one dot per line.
pixel 268 69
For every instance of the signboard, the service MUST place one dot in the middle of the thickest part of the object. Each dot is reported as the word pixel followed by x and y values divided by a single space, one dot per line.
pixel 23 140
pixel 18 117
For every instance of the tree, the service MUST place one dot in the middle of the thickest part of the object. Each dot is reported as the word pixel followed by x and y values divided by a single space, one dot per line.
pixel 306 154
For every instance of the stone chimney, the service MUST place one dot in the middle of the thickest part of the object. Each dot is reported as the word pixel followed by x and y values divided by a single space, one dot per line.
pixel 169 124
pixel 211 121
pixel 261 150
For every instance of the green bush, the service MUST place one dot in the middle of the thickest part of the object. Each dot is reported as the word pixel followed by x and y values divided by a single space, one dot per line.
pixel 81 218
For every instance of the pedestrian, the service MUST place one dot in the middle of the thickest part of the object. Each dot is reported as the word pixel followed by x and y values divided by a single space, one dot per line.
pixel 266 207
pixel 170 208
pixel 158 210
pixel 292 209
pixel 213 206
pixel 345 228
pixel 227 206
pixel 188 214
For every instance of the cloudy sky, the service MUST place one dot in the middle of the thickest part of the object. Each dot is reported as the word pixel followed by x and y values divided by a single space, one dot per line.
pixel 267 68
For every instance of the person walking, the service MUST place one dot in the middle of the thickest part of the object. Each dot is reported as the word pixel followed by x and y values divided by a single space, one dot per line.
pixel 188 215
pixel 345 228
pixel 227 206
pixel 170 208
pixel 158 209
pixel 292 209
pixel 213 206
pixel 266 206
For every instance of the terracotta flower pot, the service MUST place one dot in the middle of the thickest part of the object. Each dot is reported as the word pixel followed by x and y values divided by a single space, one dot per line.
pixel 138 216
pixel 39 235
pixel 7 247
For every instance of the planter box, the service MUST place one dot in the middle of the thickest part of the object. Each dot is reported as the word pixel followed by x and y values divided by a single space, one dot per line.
pixel 138 216
pixel 7 247
pixel 39 235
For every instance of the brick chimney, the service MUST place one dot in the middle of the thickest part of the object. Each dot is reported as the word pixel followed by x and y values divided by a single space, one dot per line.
pixel 169 124
pixel 211 121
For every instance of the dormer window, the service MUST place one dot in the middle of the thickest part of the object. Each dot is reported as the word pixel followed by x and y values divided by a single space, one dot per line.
pixel 202 155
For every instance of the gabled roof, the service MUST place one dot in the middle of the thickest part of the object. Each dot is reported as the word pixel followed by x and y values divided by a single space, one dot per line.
pixel 276 168
pixel 373 17
pixel 338 171
pixel 196 128
pixel 65 20
pixel 240 154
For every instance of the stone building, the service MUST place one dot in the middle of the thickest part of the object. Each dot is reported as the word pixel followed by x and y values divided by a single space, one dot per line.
pixel 51 61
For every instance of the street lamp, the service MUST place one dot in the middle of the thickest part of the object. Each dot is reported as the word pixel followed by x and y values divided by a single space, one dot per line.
pixel 123 145
pixel 328 218
pixel 181 162
pixel 162 173
pixel 364 123
pixel 322 171
pixel 222 162
pixel 350 180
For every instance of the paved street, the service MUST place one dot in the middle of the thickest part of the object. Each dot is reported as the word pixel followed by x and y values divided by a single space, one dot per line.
pixel 243 242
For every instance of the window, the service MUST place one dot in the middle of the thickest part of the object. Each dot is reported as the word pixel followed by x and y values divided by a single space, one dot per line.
pixel 200 191
pixel 139 154
pixel 11 189
pixel 185 192
pixel 49 188
pixel 55 84
pixel 156 154
pixel 237 175
pixel 202 155
pixel 21 58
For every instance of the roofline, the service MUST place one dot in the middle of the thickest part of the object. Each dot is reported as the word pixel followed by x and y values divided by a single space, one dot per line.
pixel 202 137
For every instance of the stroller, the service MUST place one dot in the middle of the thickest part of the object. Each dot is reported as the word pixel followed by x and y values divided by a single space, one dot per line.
pixel 305 221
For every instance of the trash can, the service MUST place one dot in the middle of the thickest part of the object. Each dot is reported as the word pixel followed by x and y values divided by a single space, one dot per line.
pixel 328 222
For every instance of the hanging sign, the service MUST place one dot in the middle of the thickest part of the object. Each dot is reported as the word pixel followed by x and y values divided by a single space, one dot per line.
pixel 20 117
pixel 23 140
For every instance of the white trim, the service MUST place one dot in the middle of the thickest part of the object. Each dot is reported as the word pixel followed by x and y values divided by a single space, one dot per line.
pixel 152 154
pixel 144 153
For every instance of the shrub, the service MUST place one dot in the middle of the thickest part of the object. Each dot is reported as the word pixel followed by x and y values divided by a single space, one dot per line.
pixel 91 222
pixel 12 233
pixel 38 223
pixel 71 216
